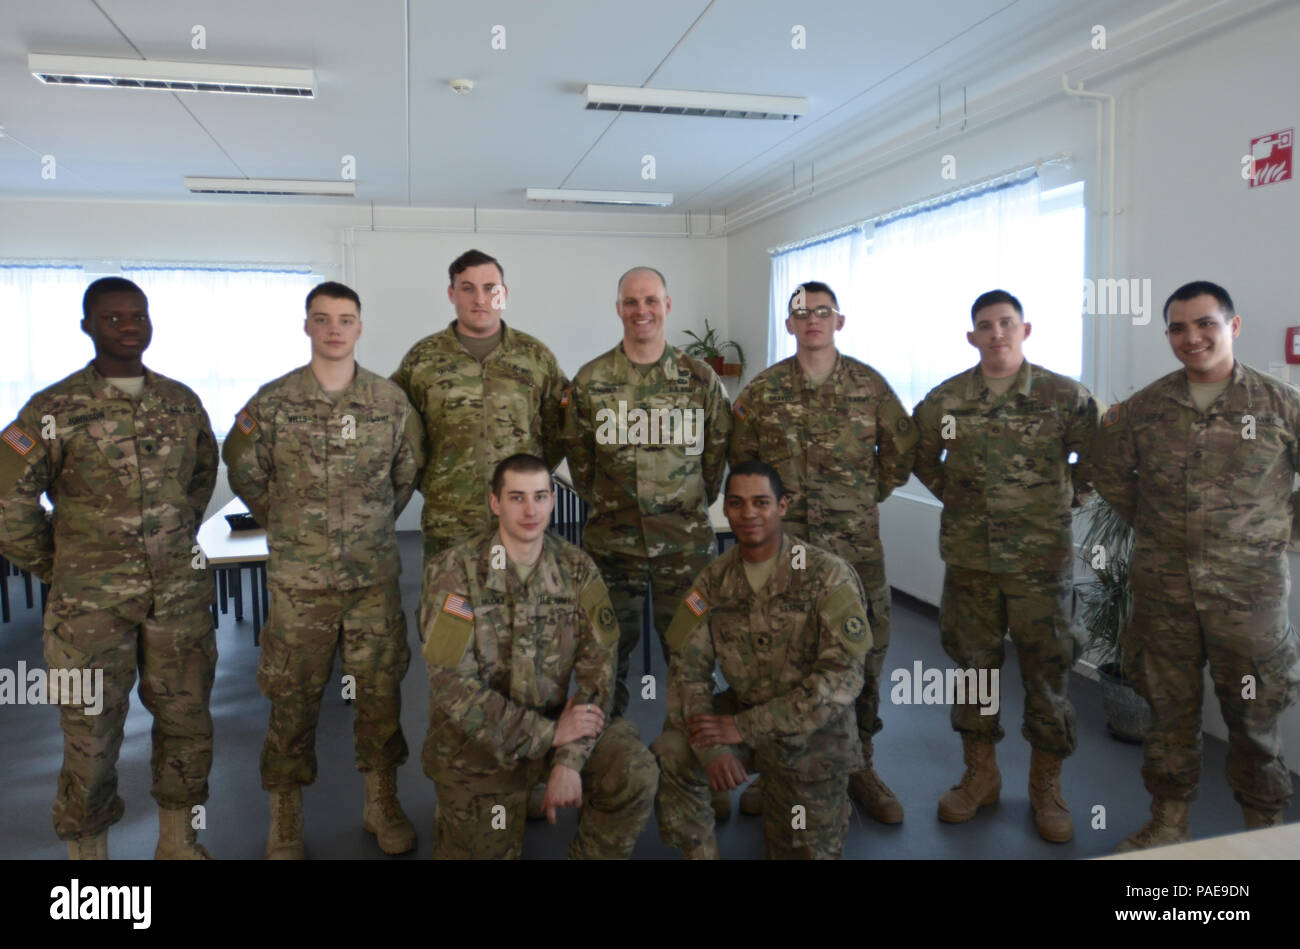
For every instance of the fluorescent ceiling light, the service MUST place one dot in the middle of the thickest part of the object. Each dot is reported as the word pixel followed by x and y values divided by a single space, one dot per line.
pixel 332 189
pixel 727 105
pixel 651 199
pixel 172 76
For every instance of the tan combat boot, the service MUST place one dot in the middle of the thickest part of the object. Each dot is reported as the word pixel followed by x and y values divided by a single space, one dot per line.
pixel 1050 811
pixel 89 848
pixel 980 784
pixel 721 805
pixel 751 799
pixel 1257 817
pixel 177 838
pixel 536 797
pixel 383 816
pixel 1168 825
pixel 284 842
pixel 705 850
pixel 867 789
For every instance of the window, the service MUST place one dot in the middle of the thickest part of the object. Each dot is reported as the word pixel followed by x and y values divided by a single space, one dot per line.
pixel 906 281
pixel 222 332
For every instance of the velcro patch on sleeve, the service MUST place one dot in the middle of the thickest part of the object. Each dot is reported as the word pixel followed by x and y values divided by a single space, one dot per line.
pixel 565 396
pixel 18 440
pixel 594 601
pixel 847 617
pixel 742 412
pixel 451 632
pixel 1111 416
pixel 696 603
pixel 245 422
pixel 685 620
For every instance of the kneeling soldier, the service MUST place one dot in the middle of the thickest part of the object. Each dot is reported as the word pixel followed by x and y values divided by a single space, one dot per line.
pixel 786 624
pixel 509 616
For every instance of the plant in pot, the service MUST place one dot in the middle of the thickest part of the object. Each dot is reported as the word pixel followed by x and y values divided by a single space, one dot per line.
pixel 1106 603
pixel 712 349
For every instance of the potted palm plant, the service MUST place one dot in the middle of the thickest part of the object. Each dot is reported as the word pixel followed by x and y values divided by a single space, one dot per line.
pixel 1106 603
pixel 712 350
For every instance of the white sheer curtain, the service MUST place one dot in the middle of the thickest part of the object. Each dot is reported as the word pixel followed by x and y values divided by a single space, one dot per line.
pixel 906 291
pixel 43 341
pixel 224 332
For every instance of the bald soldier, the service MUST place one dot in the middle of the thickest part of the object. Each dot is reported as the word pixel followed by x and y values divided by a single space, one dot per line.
pixel 841 441
pixel 326 457
pixel 510 618
pixel 484 392
pixel 786 624
pixel 129 461
pixel 1001 445
pixel 646 436
pixel 1201 463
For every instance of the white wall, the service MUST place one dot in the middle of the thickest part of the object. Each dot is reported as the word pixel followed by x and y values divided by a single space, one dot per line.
pixel 1185 120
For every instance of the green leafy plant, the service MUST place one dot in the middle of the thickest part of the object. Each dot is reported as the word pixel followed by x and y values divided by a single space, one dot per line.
pixel 711 348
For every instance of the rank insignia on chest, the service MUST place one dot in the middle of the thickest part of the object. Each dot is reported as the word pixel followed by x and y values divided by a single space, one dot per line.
pixel 245 422
pixel 696 603
pixel 458 606
pixel 18 440
pixel 855 629
pixel 741 412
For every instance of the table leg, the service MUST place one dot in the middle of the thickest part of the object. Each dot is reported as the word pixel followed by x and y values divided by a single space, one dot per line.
pixel 216 616
pixel 222 595
pixel 4 590
pixel 237 578
pixel 27 587
pixel 257 606
pixel 647 622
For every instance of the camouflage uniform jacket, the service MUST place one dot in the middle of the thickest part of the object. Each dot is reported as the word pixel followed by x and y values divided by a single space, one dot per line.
pixel 1007 484
pixel 648 486
pixel 130 481
pixel 475 416
pixel 327 479
pixel 1208 494
pixel 501 653
pixel 793 654
pixel 840 450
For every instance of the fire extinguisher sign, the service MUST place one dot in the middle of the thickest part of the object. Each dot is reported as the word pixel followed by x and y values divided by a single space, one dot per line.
pixel 1271 158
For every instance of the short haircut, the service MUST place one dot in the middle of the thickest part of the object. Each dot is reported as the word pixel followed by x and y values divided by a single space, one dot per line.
pixel 993 298
pixel 472 258
pixel 1197 288
pixel 106 285
pixel 332 288
pixel 642 269
pixel 812 286
pixel 755 467
pixel 521 463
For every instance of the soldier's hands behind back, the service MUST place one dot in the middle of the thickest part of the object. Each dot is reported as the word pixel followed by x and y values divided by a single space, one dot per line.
pixel 725 772
pixel 563 789
pixel 578 721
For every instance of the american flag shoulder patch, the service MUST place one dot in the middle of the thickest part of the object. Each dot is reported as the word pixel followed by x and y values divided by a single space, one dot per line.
pixel 18 440
pixel 458 606
pixel 696 603
pixel 245 422
pixel 564 397
pixel 740 410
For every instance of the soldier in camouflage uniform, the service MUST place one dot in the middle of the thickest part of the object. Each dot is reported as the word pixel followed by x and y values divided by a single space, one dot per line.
pixel 1201 463
pixel 485 391
pixel 1008 485
pixel 786 623
pixel 129 460
pixel 841 441
pixel 646 436
pixel 509 616
pixel 326 457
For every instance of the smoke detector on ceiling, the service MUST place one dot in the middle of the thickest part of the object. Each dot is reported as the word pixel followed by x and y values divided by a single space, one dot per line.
pixel 461 86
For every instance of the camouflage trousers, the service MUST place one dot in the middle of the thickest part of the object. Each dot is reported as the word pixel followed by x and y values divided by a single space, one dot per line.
pixel 1165 647
pixel 878 608
pixel 629 579
pixel 176 656
pixel 802 819
pixel 976 610
pixel 303 631
pixel 482 816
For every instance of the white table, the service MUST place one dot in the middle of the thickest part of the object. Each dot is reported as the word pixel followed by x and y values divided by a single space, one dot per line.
pixel 229 552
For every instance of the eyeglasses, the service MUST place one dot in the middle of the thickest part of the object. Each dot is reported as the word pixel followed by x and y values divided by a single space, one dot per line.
pixel 822 313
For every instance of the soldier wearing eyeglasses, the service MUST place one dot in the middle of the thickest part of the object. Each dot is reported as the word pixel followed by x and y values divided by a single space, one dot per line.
pixel 841 441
